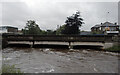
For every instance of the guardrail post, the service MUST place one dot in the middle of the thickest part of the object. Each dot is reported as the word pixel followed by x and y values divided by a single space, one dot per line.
pixel 33 42
pixel 70 46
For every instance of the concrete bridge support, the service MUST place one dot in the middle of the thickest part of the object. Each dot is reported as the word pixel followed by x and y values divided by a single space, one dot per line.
pixel 108 45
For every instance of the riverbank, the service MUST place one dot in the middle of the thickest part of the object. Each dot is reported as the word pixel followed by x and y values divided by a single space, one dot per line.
pixel 113 49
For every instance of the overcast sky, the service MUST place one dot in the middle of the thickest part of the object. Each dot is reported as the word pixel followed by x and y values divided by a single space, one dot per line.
pixel 50 13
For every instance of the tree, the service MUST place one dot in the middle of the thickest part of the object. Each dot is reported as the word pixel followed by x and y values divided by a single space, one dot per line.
pixel 72 24
pixel 31 28
pixel 60 29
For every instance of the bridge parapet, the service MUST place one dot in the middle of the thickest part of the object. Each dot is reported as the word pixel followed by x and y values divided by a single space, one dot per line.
pixel 66 38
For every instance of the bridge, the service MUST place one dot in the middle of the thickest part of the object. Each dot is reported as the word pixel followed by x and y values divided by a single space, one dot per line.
pixel 104 41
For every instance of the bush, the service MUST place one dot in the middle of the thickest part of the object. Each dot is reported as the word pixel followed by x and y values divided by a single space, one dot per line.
pixel 10 69
pixel 114 49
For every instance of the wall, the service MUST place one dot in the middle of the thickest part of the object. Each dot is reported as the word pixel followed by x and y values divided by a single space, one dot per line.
pixel 10 29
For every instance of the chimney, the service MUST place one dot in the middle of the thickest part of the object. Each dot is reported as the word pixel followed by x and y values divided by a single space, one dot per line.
pixel 115 23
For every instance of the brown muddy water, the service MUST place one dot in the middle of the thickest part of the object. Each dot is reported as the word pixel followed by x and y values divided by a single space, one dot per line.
pixel 48 60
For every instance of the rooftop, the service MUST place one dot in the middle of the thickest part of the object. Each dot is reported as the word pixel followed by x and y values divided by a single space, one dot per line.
pixel 96 26
pixel 109 24
pixel 105 25
pixel 8 27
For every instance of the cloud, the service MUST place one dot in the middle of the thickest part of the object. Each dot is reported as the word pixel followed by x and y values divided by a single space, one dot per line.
pixel 49 14
pixel 14 14
pixel 0 14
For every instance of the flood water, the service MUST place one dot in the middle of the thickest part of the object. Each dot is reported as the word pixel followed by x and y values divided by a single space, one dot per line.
pixel 48 60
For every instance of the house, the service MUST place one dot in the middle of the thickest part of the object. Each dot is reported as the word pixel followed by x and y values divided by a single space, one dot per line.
pixel 8 29
pixel 96 28
pixel 106 28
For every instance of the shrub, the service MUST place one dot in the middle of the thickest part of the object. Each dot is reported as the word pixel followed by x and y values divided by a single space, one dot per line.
pixel 10 69
pixel 114 49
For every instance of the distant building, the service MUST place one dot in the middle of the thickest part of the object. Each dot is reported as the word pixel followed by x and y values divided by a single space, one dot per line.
pixel 106 28
pixel 96 28
pixel 8 29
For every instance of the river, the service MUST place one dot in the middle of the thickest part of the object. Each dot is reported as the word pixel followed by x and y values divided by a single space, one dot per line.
pixel 48 60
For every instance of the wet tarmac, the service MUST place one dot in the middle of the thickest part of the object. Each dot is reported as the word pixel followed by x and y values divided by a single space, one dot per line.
pixel 47 60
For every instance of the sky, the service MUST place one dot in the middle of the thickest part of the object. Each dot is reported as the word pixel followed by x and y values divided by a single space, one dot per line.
pixel 50 13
